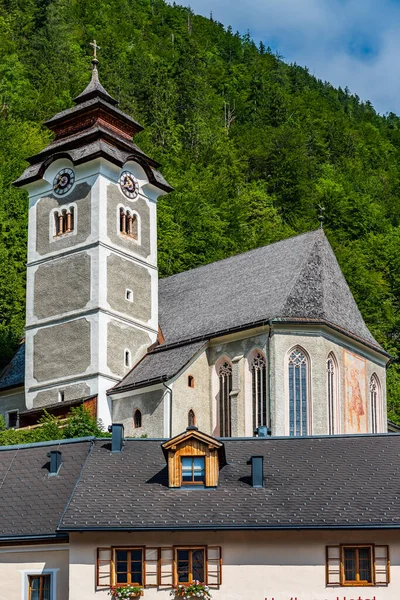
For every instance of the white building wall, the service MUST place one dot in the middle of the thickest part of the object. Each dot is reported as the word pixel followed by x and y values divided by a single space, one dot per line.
pixel 255 565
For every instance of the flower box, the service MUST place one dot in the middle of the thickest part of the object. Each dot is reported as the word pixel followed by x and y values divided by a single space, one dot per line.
pixel 125 592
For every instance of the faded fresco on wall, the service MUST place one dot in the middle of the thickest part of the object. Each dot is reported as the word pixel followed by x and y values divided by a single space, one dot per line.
pixel 355 394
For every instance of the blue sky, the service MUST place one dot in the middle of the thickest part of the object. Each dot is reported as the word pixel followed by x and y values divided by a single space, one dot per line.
pixel 353 43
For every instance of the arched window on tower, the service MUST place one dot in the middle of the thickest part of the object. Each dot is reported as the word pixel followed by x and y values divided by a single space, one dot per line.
pixel 64 221
pixel 332 395
pixel 298 393
pixel 137 419
pixel 259 390
pixel 225 388
pixel 128 223
pixel 191 418
pixel 376 403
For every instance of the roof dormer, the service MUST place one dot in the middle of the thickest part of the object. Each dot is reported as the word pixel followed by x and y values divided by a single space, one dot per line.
pixel 194 459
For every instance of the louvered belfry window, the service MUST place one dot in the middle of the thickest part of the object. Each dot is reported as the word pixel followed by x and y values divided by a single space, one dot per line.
pixel 298 393
pixel 259 390
pixel 225 388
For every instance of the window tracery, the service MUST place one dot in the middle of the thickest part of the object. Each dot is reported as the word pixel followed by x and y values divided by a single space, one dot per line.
pixel 225 388
pixel 298 392
pixel 332 394
pixel 259 390
pixel 375 401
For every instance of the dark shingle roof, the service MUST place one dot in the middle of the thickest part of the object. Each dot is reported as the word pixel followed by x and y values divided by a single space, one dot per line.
pixel 32 502
pixel 342 481
pixel 159 365
pixel 14 373
pixel 297 278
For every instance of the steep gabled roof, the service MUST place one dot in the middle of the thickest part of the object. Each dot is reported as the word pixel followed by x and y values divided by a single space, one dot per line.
pixel 296 279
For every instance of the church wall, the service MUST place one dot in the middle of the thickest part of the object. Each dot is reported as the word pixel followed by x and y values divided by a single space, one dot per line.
pixel 62 285
pixel 51 396
pixel 318 348
pixel 115 198
pixel 61 350
pixel 17 563
pixel 255 565
pixel 197 398
pixel 45 242
pixel 12 400
pixel 237 352
pixel 121 337
pixel 123 274
pixel 150 404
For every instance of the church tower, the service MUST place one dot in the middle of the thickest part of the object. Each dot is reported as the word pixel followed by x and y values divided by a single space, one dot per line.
pixel 92 282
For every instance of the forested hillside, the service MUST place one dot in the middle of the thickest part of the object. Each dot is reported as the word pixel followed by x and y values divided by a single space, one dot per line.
pixel 252 145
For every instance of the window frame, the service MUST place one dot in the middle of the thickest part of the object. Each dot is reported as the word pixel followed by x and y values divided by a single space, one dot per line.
pixel 357 582
pixel 259 389
pixel 9 412
pixel 40 576
pixel 194 483
pixel 308 394
pixel 225 387
pixel 190 549
pixel 114 572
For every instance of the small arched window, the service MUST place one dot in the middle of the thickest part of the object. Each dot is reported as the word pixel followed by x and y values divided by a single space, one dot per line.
pixel 298 392
pixel 190 381
pixel 64 221
pixel 128 223
pixel 259 390
pixel 376 403
pixel 332 395
pixel 127 358
pixel 225 388
pixel 137 419
pixel 191 418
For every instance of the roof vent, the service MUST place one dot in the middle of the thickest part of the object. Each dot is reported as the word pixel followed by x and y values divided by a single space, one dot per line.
pixel 117 437
pixel 55 461
pixel 257 471
pixel 263 431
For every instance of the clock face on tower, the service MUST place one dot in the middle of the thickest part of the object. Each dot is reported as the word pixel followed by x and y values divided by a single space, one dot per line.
pixel 63 181
pixel 129 184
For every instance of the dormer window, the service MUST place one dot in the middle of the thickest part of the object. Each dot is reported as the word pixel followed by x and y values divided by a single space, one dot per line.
pixel 194 459
pixel 193 470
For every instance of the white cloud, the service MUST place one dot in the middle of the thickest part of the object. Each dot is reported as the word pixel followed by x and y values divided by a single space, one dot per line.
pixel 353 43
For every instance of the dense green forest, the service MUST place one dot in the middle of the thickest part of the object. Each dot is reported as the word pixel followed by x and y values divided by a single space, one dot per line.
pixel 251 144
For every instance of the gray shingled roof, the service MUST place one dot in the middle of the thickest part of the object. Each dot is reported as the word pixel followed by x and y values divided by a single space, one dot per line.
pixel 31 501
pixel 159 365
pixel 338 482
pixel 14 373
pixel 297 278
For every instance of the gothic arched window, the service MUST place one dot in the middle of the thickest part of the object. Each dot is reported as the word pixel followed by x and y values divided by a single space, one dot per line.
pixel 191 418
pixel 137 419
pixel 259 389
pixel 225 388
pixel 298 392
pixel 332 394
pixel 376 403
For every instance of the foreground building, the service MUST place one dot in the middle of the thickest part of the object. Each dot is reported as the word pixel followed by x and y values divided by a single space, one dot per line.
pixel 271 338
pixel 312 518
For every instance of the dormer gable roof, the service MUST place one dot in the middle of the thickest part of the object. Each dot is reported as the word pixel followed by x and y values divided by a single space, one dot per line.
pixel 193 433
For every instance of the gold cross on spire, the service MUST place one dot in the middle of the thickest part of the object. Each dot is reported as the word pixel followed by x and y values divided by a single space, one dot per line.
pixel 95 48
